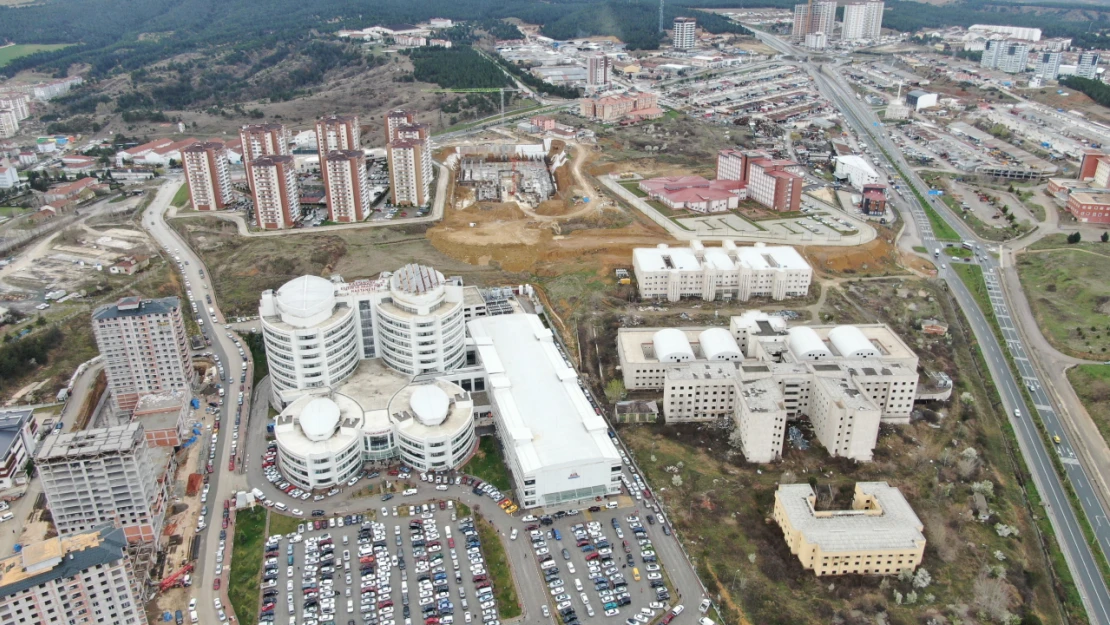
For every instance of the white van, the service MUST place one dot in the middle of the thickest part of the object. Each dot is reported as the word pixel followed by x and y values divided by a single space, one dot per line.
pixel 193 618
pixel 7 516
pixel 409 493
pixel 281 506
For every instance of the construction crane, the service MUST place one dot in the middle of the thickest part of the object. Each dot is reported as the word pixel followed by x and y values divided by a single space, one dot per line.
pixel 500 90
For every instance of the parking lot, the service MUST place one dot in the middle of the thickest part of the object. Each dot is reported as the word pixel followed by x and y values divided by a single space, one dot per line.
pixel 402 564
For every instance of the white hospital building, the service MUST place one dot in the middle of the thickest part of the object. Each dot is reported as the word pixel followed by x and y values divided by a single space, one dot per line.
pixel 761 374
pixel 720 273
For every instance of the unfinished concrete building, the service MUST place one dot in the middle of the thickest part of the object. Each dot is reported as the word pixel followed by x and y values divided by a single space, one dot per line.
pixel 501 179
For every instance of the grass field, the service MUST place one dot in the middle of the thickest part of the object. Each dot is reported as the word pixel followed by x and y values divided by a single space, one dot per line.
pixel 633 187
pixel 10 53
pixel 488 465
pixel 508 606
pixel 245 572
pixel 181 198
pixel 1070 297
pixel 958 252
pixel 1092 385
pixel 282 524
pixel 12 211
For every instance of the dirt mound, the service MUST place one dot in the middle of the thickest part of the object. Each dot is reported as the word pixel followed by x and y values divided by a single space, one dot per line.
pixel 875 258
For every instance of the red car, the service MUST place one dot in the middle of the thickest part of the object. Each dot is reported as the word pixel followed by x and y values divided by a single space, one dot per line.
pixel 216 584
pixel 231 464
pixel 394 472
pixel 225 527
pixel 451 543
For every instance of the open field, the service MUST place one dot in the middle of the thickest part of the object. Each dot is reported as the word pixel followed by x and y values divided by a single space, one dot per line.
pixel 508 606
pixel 489 465
pixel 181 198
pixel 721 506
pixel 1070 297
pixel 245 576
pixel 10 53
pixel 1092 385
pixel 244 267
pixel 282 524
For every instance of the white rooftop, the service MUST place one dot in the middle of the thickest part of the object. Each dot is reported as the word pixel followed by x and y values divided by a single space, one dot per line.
pixel 547 419
pixel 663 258
pixel 896 527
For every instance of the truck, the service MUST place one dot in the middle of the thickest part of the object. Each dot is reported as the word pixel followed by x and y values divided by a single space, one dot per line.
pixel 968 245
pixel 936 254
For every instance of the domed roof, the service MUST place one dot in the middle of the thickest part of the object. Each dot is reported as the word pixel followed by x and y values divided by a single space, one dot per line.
pixel 671 345
pixel 806 344
pixel 319 419
pixel 852 342
pixel 718 344
pixel 306 295
pixel 430 403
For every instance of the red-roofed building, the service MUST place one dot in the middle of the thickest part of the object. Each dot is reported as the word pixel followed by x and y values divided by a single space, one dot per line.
pixel 77 190
pixel 77 162
pixel 634 106
pixel 776 184
pixel 874 200
pixel 696 193
pixel 1090 208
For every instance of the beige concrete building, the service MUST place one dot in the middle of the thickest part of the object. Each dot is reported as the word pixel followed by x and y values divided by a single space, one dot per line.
pixel 79 579
pixel 396 119
pixel 846 380
pixel 410 165
pixel 208 174
pixel 276 191
pixel 9 123
pixel 348 190
pixel 145 348
pixel 879 535
pixel 720 273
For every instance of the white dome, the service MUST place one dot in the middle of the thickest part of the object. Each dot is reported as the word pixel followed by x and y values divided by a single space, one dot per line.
pixel 319 418
pixel 430 404
pixel 718 344
pixel 305 297
pixel 806 344
pixel 851 342
pixel 671 345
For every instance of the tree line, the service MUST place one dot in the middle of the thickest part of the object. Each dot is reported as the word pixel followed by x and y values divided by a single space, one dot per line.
pixel 1097 91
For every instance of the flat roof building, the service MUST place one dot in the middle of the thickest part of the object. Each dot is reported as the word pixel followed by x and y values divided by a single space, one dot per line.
pixel 684 30
pixel 879 535
pixel 208 174
pixel 18 431
pixel 856 170
pixel 720 273
pixel 79 579
pixel 556 445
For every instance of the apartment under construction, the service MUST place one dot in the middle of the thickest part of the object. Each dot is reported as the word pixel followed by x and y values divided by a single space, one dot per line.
pixel 505 172
pixel 108 475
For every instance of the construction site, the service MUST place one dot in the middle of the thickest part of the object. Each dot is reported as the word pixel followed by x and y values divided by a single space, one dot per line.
pixel 507 172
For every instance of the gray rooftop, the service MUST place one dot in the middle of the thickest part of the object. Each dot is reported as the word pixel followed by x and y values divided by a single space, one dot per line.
pixel 11 422
pixel 895 526
pixel 135 307
pixel 76 555
pixel 115 439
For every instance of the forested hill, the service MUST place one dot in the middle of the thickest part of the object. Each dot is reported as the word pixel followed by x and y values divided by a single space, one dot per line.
pixel 128 34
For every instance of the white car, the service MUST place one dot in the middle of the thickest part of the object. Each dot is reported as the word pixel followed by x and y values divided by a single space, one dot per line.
pixel 297 512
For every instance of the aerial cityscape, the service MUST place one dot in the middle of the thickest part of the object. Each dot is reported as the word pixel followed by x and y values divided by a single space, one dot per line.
pixel 361 313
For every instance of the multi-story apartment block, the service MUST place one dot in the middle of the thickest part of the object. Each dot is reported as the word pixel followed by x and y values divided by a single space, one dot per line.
pixel 684 30
pixel 598 69
pixel 817 16
pixel 1011 57
pixel 776 184
pixel 145 348
pixel 260 140
pixel 18 431
pixel 410 165
pixel 879 535
pixel 18 102
pixel 337 132
pixel 276 191
pixel 1090 208
pixel 396 119
pixel 1046 65
pixel 863 21
pixel 845 380
pixel 720 273
pixel 348 189
pixel 9 123
pixel 631 106
pixel 208 174
pixel 108 476
pixel 80 579
pixel 1011 32
pixel 1088 65
pixel 732 165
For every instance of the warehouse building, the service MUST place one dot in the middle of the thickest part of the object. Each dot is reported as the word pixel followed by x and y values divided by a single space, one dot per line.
pixel 855 170
pixel 879 535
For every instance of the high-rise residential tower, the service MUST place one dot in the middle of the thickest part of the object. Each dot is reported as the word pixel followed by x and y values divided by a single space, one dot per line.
pixel 337 132
pixel 684 29
pixel 862 21
pixel 208 174
pixel 348 189
pixel 277 196
pixel 410 165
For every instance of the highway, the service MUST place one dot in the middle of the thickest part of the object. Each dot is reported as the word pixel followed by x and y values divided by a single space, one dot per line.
pixel 223 482
pixel 1088 578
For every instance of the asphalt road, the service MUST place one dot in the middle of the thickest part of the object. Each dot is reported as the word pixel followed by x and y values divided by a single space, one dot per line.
pixel 221 480
pixel 1092 587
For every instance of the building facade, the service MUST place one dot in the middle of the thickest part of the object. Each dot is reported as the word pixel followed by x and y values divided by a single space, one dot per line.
pixel 80 579
pixel 18 433
pixel 1011 57
pixel 276 191
pixel 879 535
pixel 598 68
pixel 336 132
pixel 348 192
pixel 776 184
pixel 410 165
pixel 260 140
pixel 1090 208
pixel 725 273
pixel 1087 67
pixel 856 170
pixel 9 123
pixel 817 16
pixel 1046 65
pixel 145 348
pixel 625 106
pixel 396 119
pixel 685 29
pixel 208 174
pixel 863 21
